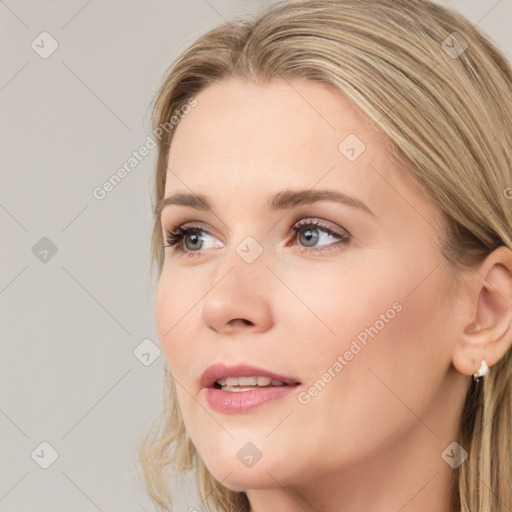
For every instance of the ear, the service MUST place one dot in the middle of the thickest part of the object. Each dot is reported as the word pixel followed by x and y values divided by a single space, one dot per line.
pixel 485 331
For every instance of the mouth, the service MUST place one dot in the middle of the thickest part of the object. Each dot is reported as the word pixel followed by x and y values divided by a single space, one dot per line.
pixel 232 389
pixel 242 376
pixel 238 384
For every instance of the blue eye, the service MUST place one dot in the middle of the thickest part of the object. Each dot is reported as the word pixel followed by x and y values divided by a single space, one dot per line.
pixel 311 228
pixel 178 236
pixel 313 232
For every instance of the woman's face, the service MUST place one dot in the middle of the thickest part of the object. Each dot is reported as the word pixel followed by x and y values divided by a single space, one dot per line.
pixel 352 309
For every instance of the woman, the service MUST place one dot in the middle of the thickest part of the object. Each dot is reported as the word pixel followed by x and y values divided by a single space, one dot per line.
pixel 333 237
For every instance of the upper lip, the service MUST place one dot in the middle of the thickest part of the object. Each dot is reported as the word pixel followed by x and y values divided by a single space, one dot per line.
pixel 220 371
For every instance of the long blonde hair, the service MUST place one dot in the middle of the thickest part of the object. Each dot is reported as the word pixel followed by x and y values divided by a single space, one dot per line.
pixel 446 109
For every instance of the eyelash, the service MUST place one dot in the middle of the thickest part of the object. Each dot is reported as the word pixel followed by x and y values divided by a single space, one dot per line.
pixel 176 235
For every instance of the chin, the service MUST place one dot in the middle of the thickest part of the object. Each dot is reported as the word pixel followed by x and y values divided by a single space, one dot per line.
pixel 236 476
pixel 242 480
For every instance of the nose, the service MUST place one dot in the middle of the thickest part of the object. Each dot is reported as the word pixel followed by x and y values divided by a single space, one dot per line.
pixel 239 299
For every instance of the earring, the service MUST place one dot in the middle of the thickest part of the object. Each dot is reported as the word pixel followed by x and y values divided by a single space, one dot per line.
pixel 483 370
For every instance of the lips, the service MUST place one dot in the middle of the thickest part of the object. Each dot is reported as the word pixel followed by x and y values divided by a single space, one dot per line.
pixel 243 388
pixel 219 375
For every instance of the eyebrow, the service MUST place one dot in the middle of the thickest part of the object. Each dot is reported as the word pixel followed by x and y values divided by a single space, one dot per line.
pixel 280 201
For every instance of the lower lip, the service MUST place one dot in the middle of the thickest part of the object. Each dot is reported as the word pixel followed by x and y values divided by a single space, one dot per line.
pixel 242 401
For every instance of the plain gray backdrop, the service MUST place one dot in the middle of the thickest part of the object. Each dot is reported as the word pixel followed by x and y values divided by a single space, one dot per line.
pixel 80 363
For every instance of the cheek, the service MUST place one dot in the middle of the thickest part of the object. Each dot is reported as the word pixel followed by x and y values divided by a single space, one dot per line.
pixel 174 309
pixel 339 305
pixel 386 305
pixel 173 313
pixel 390 348
pixel 371 320
pixel 393 356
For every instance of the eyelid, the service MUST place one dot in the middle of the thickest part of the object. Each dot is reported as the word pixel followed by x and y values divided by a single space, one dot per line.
pixel 300 220
pixel 320 223
pixel 178 232
pixel 184 228
pixel 192 225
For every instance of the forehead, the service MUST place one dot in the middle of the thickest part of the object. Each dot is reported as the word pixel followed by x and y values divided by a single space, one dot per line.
pixel 299 115
pixel 244 139
pixel 242 122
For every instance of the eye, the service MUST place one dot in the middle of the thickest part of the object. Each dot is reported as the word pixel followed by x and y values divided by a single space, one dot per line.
pixel 312 234
pixel 179 235
pixel 190 239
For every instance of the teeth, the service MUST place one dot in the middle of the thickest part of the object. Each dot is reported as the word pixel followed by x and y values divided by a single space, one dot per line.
pixel 242 383
pixel 236 389
pixel 264 381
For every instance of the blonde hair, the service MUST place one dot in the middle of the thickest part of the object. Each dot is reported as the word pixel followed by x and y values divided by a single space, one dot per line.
pixel 446 112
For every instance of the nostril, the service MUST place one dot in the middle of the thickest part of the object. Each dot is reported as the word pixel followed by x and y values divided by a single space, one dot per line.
pixel 243 320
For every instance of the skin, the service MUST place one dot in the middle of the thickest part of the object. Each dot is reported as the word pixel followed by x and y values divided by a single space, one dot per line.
pixel 372 438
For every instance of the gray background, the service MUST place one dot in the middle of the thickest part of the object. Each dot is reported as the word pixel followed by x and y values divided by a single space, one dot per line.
pixel 72 320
